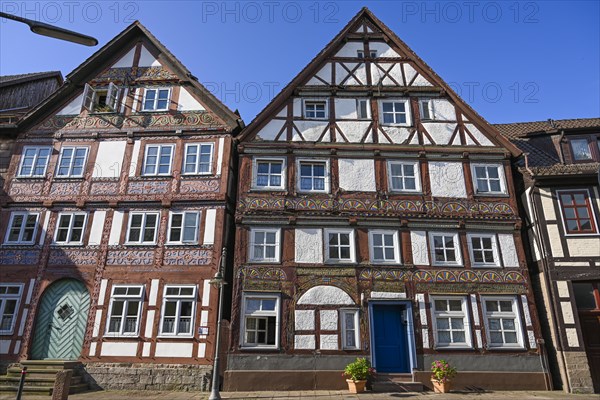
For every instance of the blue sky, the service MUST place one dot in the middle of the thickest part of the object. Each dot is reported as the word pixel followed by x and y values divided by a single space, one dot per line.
pixel 511 60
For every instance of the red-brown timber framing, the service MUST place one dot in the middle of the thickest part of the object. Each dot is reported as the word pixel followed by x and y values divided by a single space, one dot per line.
pixel 288 310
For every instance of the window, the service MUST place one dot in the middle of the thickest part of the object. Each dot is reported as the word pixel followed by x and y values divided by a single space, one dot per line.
pixel 502 322
pixel 70 228
pixel 71 162
pixel 339 245
pixel 315 109
pixel 488 179
pixel 350 332
pixel 581 150
pixel 384 246
pixel 156 99
pixel 198 159
pixel 157 160
pixel 264 244
pixel 483 249
pixel 179 304
pixel 34 161
pixel 104 99
pixel 577 212
pixel 362 109
pixel 22 228
pixel 124 311
pixel 260 321
pixel 10 295
pixel 395 112
pixel 445 248
pixel 587 295
pixel 426 110
pixel 451 322
pixel 313 176
pixel 361 53
pixel 404 176
pixel 183 227
pixel 269 173
pixel 142 228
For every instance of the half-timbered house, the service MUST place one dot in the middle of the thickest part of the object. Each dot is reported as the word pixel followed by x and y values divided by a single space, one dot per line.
pixel 114 219
pixel 561 203
pixel 376 217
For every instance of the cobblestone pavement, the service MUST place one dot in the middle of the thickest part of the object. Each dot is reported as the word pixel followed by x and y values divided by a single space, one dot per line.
pixel 319 394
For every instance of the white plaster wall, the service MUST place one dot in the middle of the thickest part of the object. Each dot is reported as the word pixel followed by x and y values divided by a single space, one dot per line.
pixel 304 320
pixel 29 291
pixel 397 134
pixel 297 107
pixel 149 324
pixel 477 134
pixel 310 130
pixel 102 293
pixel 584 247
pixel 440 132
pixel 447 179
pixel 109 160
pixel 73 108
pixel 393 74
pixel 147 59
pixel 210 226
pixel 319 295
pixel 153 296
pixel 357 175
pixel 324 73
pixel 420 252
pixel 93 349
pixel 443 110
pixel 328 320
pixel 134 157
pixel 388 295
pixel 532 341
pixel 97 322
pixel 328 342
pixel 509 252
pixel 563 289
pixel 572 338
pixel 409 72
pixel 187 101
pixel 341 74
pixel 166 349
pixel 206 293
pixel 96 229
pixel 304 342
pixel 115 229
pixel 350 49
pixel 555 243
pixel 547 204
pixel 23 320
pixel 220 155
pixel 146 349
pixel 526 312
pixel 345 108
pixel 353 131
pixel 46 216
pixel 201 350
pixel 309 246
pixel 125 349
pixel 126 61
pixel 475 309
pixel 271 129
pixel 383 50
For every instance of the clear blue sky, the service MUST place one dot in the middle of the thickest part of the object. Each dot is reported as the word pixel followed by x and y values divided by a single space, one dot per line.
pixel 512 61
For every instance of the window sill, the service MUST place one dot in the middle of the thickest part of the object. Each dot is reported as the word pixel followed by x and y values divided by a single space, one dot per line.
pixel 448 265
pixel 340 262
pixel 74 178
pixel 453 348
pixel 6 333
pixel 576 235
pixel 267 189
pixel 492 194
pixel 505 348
pixel 175 244
pixel 264 261
pixel 387 263
pixel 66 245
pixel 395 125
pixel 485 265
pixel 398 191
pixel 18 244
pixel 196 175
pixel 175 337
pixel 313 191
pixel 139 244
pixel 257 348
pixel 120 336
pixel 31 178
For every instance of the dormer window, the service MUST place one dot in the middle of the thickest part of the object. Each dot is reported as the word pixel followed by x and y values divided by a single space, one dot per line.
pixel 101 99
pixel 585 148
pixel 361 54
pixel 156 99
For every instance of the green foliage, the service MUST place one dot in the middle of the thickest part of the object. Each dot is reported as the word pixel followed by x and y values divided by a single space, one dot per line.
pixel 358 370
pixel 442 371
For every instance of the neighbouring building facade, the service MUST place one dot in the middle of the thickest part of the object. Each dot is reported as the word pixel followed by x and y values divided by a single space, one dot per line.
pixel 115 213
pixel 376 217
pixel 561 204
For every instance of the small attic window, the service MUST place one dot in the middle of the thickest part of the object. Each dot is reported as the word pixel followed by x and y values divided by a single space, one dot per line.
pixel 361 53
pixel 103 99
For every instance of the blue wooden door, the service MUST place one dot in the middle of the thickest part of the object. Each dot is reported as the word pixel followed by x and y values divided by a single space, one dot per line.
pixel 61 320
pixel 390 339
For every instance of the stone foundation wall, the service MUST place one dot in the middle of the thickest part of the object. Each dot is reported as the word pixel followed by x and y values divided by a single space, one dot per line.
pixel 134 376
pixel 578 371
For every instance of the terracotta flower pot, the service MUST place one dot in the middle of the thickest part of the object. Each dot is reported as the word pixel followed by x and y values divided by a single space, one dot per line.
pixel 441 387
pixel 356 386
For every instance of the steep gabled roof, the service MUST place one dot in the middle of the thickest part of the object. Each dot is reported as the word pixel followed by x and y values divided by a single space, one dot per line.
pixel 314 65
pixel 522 129
pixel 9 80
pixel 100 60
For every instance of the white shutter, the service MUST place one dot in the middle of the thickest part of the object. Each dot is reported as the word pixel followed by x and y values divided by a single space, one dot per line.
pixel 88 97
pixel 112 96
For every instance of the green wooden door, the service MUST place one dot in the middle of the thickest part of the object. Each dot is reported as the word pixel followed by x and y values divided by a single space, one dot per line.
pixel 61 320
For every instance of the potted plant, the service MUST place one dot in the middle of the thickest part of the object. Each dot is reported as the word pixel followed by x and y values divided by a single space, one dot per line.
pixel 442 372
pixel 357 373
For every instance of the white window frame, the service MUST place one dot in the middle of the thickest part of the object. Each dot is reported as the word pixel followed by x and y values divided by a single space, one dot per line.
pixel 157 90
pixel 20 241
pixel 35 159
pixel 426 104
pixel 253 232
pixel 70 228
pixel 457 249
pixel 367 104
pixel 406 108
pixel 70 173
pixel 181 240
pixel 355 313
pixel 315 100
pixel 126 298
pixel 326 177
pixel 4 298
pixel 179 298
pixel 417 176
pixel 91 98
pixel 260 314
pixel 494 249
pixel 515 314
pixel 396 244
pixel 468 344
pixel 501 178
pixel 143 227
pixel 352 240
pixel 197 164
pixel 258 160
pixel 158 155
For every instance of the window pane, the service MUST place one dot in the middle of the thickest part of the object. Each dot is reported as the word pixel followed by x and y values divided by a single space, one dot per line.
pixel 444 337
pixel 443 323
pixel 459 336
pixel 268 304
pixel 584 295
pixel 510 337
pixel 440 305
pixel 581 149
pixel 455 305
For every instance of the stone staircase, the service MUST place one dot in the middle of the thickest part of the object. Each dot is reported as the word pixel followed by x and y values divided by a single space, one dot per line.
pixel 41 375
pixel 396 383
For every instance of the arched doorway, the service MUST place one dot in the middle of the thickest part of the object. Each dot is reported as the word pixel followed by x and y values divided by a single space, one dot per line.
pixel 61 320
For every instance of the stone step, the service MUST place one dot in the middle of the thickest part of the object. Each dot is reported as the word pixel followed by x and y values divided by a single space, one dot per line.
pixel 78 388
pixel 49 364
pixel 393 377
pixel 16 371
pixel 395 387
pixel 35 380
